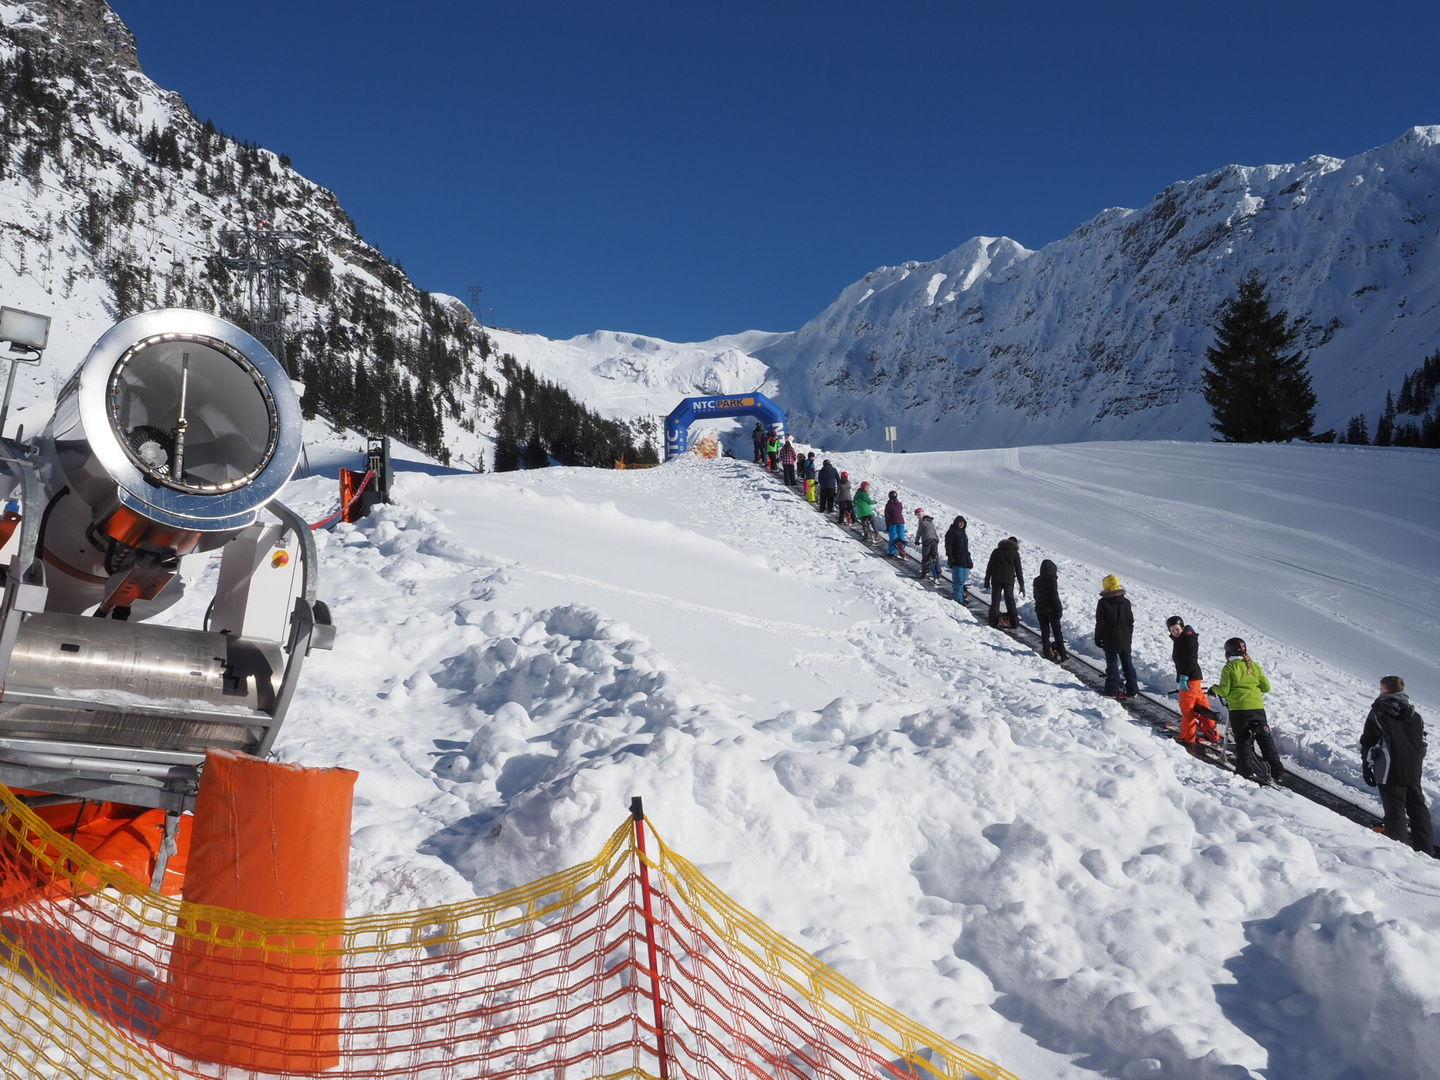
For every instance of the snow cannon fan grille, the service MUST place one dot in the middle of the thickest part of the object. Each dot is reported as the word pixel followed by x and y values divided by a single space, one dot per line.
pixel 197 401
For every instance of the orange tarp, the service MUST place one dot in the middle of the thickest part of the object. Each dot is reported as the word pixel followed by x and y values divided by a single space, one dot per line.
pixel 273 840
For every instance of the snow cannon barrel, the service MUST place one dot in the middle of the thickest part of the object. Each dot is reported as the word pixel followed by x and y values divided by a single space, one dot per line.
pixel 169 438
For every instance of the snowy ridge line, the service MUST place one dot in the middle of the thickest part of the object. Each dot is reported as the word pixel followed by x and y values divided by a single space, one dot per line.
pixel 1159 714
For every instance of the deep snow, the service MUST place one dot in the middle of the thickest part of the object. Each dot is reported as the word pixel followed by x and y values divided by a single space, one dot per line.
pixel 944 817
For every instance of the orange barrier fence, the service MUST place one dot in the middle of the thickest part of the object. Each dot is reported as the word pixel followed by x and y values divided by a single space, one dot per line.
pixel 631 965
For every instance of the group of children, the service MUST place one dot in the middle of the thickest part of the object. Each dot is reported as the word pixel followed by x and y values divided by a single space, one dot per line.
pixel 1242 684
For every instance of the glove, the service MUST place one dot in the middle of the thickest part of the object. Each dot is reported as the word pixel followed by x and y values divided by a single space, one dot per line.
pixel 1182 683
pixel 1369 771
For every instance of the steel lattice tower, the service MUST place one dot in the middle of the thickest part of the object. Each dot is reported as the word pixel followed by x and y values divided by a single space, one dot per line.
pixel 263 254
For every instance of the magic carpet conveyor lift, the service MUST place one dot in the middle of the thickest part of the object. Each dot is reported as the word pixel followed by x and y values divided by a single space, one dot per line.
pixel 168 441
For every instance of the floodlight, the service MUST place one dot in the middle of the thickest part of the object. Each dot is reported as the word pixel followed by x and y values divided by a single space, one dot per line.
pixel 24 328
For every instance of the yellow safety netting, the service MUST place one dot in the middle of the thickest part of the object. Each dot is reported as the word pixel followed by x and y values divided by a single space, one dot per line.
pixel 101 978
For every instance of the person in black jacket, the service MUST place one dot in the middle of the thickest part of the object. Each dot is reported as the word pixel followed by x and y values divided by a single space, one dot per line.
pixel 1189 681
pixel 1048 610
pixel 829 478
pixel 1114 627
pixel 1002 573
pixel 1392 749
pixel 957 555
pixel 758 437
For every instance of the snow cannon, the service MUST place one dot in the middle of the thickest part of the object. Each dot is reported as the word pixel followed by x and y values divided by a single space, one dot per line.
pixel 168 443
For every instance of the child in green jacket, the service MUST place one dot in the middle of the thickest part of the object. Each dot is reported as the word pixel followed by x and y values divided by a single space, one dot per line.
pixel 865 512
pixel 1243 685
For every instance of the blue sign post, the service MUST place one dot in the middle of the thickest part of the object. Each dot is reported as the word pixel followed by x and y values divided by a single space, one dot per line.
pixel 677 424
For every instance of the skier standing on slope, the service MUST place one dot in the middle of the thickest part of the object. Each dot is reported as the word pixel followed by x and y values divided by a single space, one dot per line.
pixel 1048 609
pixel 1392 749
pixel 957 555
pixel 865 511
pixel 1002 573
pixel 758 438
pixel 929 540
pixel 829 479
pixel 895 525
pixel 1114 628
pixel 1243 684
pixel 1189 681
pixel 787 460
pixel 844 500
pixel 772 448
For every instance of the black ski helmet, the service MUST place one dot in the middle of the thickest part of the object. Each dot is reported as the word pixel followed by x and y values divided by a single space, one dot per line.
pixel 1174 620
pixel 1234 647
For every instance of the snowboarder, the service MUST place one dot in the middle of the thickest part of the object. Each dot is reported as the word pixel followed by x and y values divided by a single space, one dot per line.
pixel 1048 609
pixel 829 478
pixel 865 511
pixel 758 438
pixel 957 555
pixel 787 460
pixel 1392 749
pixel 807 466
pixel 844 500
pixel 895 526
pixel 1189 681
pixel 1002 573
pixel 1243 684
pixel 1114 627
pixel 929 540
pixel 772 448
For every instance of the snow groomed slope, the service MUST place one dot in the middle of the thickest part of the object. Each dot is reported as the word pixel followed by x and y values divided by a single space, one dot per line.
pixel 928 807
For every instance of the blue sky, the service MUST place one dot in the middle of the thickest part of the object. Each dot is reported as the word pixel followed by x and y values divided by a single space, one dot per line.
pixel 689 169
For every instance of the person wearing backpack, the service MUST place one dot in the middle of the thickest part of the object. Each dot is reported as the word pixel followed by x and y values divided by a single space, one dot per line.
pixel 1392 749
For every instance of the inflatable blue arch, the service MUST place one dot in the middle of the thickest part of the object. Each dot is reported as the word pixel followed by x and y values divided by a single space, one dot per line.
pixel 677 424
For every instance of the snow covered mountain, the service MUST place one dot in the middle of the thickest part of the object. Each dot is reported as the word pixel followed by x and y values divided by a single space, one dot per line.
pixel 115 198
pixel 1099 335
pixel 1102 334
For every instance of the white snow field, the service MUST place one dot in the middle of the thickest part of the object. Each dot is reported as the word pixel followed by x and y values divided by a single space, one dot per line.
pixel 949 820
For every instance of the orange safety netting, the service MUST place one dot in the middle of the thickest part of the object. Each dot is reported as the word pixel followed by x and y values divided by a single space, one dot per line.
pixel 556 979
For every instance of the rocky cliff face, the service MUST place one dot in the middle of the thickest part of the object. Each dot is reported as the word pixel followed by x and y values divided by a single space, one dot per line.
pixel 1102 334
pixel 114 199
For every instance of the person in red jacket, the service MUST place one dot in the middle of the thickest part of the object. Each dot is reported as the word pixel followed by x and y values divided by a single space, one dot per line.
pixel 895 524
pixel 787 461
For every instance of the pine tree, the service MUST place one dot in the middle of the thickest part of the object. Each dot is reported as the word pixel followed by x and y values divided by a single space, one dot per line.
pixel 1255 380
pixel 535 455
pixel 1385 430
pixel 1357 432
